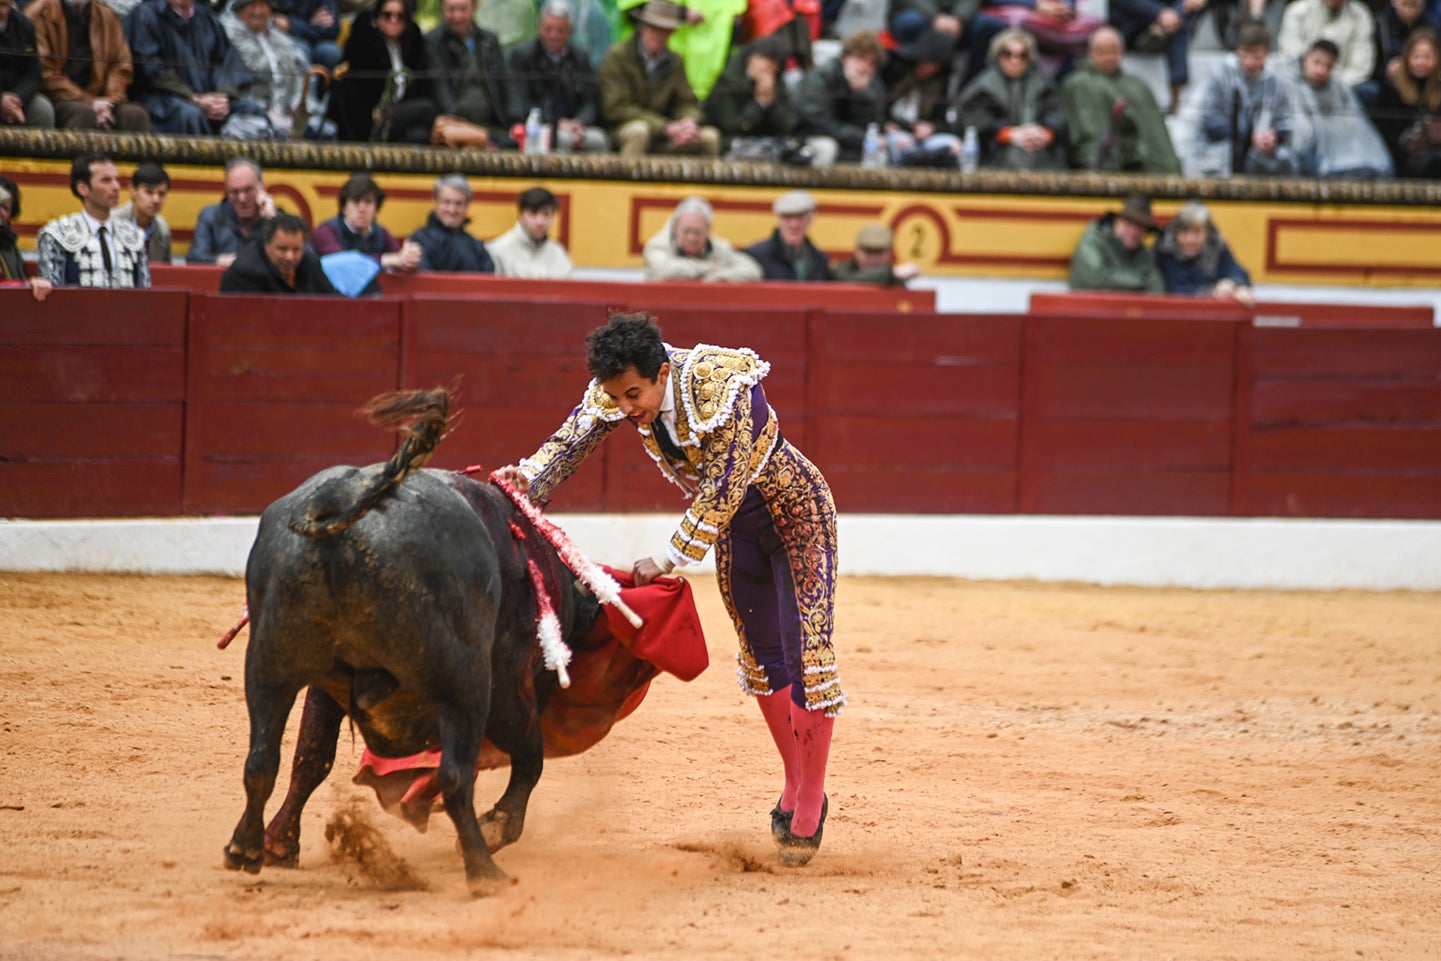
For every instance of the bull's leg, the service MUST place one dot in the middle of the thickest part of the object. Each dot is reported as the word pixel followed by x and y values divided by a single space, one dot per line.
pixel 503 823
pixel 314 757
pixel 269 704
pixel 460 746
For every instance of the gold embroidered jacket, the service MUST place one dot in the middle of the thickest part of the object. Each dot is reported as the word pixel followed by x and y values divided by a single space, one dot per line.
pixel 715 422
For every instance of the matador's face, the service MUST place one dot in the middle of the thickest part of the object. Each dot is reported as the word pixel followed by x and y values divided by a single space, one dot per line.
pixel 639 398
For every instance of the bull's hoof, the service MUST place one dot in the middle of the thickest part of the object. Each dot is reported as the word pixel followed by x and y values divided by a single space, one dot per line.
pixel 487 887
pixel 239 859
pixel 281 857
pixel 498 829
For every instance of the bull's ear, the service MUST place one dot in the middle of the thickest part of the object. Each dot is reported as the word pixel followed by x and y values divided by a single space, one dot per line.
pixel 582 589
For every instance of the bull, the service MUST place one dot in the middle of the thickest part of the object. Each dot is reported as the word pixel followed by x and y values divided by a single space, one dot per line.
pixel 401 598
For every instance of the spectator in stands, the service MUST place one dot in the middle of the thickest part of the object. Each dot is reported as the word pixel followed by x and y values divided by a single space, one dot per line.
pixel 704 45
pixel 956 25
pixel 1113 254
pixel 444 243
pixel 916 77
pixel 1333 137
pixel 873 260
pixel 1348 24
pixel 685 249
pixel 281 263
pixel 389 79
pixel 12 266
pixel 557 77
pixel 1160 26
pixel 1394 23
pixel 149 188
pixel 527 249
pixel 1408 109
pixel 223 228
pixel 471 81
pixel 1112 120
pixel 1195 260
pixel 277 62
pixel 314 25
pixel 1244 121
pixel 85 65
pixel 90 248
pixel 750 104
pixel 788 254
pixel 188 76
pixel 838 100
pixel 645 96
pixel 1015 108
pixel 355 227
pixel 21 102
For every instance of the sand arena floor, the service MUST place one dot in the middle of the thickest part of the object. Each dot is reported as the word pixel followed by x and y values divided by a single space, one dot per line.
pixel 1024 772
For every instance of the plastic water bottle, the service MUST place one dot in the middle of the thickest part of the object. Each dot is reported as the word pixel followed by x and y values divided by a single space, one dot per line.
pixel 970 151
pixel 873 149
pixel 533 142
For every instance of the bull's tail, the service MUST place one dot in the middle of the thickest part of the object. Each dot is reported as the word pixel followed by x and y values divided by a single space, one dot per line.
pixel 423 415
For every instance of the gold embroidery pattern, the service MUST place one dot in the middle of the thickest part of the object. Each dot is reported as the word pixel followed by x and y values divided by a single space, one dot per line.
pixel 569 446
pixel 804 514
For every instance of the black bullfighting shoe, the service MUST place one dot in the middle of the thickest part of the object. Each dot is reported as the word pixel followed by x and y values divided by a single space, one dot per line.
pixel 796 851
pixel 780 822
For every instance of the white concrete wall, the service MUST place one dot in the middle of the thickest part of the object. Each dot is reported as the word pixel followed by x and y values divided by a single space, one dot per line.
pixel 1164 551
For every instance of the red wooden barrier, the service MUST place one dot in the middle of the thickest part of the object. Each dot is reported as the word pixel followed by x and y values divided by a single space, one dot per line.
pixel 610 293
pixel 163 402
pixel 1264 313
pixel 918 410
pixel 1127 416
pixel 92 402
pixel 1344 424
pixel 274 386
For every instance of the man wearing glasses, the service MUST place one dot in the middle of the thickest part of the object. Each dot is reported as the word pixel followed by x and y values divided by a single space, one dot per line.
pixel 224 228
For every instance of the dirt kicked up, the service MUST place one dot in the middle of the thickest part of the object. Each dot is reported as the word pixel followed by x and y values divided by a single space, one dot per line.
pixel 1024 772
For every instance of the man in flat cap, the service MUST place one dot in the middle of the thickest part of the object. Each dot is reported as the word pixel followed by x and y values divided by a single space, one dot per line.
pixel 872 261
pixel 645 97
pixel 788 254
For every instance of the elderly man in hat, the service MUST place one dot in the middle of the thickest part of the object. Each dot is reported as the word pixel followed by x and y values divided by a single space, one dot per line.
pixel 1113 254
pixel 788 254
pixel 644 94
pixel 872 261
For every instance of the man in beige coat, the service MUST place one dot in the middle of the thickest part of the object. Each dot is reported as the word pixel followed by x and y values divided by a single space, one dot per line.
pixel 685 249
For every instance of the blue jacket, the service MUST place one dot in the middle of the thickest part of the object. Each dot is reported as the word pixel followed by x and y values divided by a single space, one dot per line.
pixel 1199 274
pixel 219 231
pixel 777 264
pixel 451 250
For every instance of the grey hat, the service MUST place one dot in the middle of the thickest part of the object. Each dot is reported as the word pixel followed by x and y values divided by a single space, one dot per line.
pixel 661 13
pixel 793 202
pixel 876 238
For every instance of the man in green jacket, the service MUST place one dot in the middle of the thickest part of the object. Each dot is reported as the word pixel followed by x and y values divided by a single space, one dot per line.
pixel 1112 119
pixel 1113 254
pixel 644 94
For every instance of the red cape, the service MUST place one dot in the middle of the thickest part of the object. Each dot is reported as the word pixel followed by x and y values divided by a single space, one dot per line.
pixel 610 672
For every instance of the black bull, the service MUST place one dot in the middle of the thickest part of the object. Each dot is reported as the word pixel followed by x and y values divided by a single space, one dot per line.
pixel 401 598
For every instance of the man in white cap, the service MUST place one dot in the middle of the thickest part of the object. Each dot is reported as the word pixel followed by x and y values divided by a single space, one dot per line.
pixel 788 254
pixel 645 97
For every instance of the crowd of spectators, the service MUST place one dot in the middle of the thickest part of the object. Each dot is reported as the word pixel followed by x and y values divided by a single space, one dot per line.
pixel 1032 83
pixel 267 249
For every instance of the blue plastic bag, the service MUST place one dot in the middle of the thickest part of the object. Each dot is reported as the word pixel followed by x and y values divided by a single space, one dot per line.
pixel 350 271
